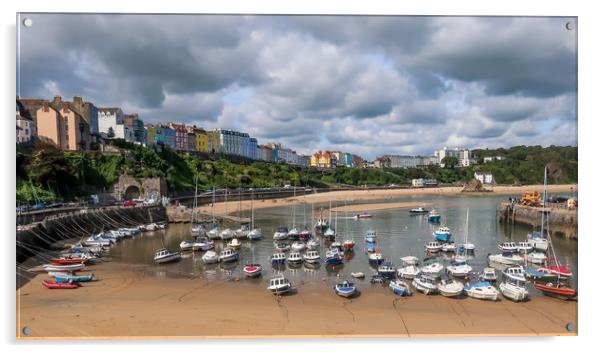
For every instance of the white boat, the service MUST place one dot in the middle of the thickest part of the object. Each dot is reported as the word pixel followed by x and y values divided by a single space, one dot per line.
pixel 433 246
pixel 254 234
pixel 408 271
pixel 537 257
pixel 186 245
pixel 370 236
pixel 449 247
pixel 242 232
pixel 410 260
pixel 538 241
pixel 362 215
pixel 488 274
pixel 358 275
pixel 202 244
pixel 293 233
pixel 281 233
pixel 213 234
pixel 466 247
pixel 514 285
pixel 151 227
pixel 524 246
pixel 298 246
pixel 507 246
pixel 506 258
pixel 425 284
pixel 226 234
pixel 311 256
pixel 345 289
pixel 432 269
pixel 459 267
pixel 330 233
pixel 234 244
pixel 198 229
pixel 64 268
pixel 419 210
pixel 164 256
pixel 312 244
pixel 210 257
pixel 482 290
pixel 279 285
pixel 294 257
pixel 400 288
pixel 282 247
pixel 450 288
pixel 375 258
pixel 252 270
pixel 228 255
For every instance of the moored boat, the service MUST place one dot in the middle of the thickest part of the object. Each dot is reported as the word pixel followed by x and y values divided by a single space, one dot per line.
pixel 186 245
pixel 370 236
pixel 64 268
pixel 442 234
pixel 54 285
pixel 432 268
pixel 386 270
pixel 507 246
pixel 311 256
pixel 482 290
pixel 488 274
pixel 277 258
pixel 345 289
pixel 252 270
pixel 210 257
pixel 281 233
pixel 234 244
pixel 279 285
pixel 459 267
pixel 450 288
pixel 418 210
pixel 400 288
pixel 294 257
pixel 66 278
pixel 348 245
pixel 375 258
pixel 163 256
pixel 228 255
pixel 506 258
pixel 557 289
pixel 426 284
pixel 434 217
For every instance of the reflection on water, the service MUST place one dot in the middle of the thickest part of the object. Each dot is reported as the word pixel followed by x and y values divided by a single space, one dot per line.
pixel 399 234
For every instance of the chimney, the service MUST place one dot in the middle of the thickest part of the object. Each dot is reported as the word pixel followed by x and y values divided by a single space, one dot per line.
pixel 57 99
pixel 65 106
pixel 78 101
pixel 45 106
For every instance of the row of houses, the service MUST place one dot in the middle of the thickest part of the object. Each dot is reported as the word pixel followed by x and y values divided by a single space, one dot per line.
pixel 332 159
pixel 463 156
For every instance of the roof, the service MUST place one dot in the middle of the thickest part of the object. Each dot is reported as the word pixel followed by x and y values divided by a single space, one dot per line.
pixel 109 110
pixel 28 107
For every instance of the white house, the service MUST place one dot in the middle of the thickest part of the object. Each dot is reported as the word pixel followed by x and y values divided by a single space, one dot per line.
pixel 491 159
pixel 484 177
pixel 112 119
pixel 462 154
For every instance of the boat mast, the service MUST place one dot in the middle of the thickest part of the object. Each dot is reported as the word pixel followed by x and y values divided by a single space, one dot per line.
pixel 545 184
pixel 194 202
pixel 252 216
pixel 239 205
pixel 466 233
pixel 294 206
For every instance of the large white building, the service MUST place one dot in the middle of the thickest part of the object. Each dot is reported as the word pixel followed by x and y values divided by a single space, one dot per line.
pixel 112 120
pixel 462 154
pixel 397 161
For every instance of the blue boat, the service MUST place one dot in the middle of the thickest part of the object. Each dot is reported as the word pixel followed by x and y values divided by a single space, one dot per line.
pixel 371 247
pixel 442 234
pixel 345 289
pixel 278 259
pixel 400 288
pixel 73 279
pixel 370 236
pixel 333 258
pixel 434 217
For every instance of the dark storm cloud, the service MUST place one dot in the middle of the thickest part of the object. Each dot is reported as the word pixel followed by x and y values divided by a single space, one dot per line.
pixel 383 84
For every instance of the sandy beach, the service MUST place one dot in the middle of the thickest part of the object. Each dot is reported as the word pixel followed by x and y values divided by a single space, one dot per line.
pixel 127 303
pixel 365 196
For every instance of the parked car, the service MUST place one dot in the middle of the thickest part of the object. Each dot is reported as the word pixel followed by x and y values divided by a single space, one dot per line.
pixel 129 203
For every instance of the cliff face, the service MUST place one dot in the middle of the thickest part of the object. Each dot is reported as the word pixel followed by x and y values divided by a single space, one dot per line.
pixel 560 220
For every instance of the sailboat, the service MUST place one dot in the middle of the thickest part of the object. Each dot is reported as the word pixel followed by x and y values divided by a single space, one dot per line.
pixel 459 267
pixel 227 233
pixel 335 243
pixel 305 234
pixel 330 233
pixel 243 229
pixel 348 243
pixel 195 229
pixel 255 233
pixel 213 233
pixel 293 233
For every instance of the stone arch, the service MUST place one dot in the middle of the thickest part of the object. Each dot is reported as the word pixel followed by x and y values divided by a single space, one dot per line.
pixel 132 192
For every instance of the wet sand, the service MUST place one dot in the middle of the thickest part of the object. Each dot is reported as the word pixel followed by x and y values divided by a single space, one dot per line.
pixel 231 207
pixel 126 303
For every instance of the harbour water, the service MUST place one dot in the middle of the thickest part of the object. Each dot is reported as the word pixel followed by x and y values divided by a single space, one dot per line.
pixel 399 234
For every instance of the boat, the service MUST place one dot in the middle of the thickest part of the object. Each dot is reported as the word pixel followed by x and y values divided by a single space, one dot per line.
pixel 536 257
pixel 459 267
pixel 298 246
pixel 151 227
pixel 375 258
pixel 305 235
pixel 234 244
pixel 400 288
pixel 279 285
pixel 293 234
pixel 370 236
pixel 294 257
pixel 186 245
pixel 252 270
pixel 517 273
pixel 64 268
pixel 534 274
pixel 434 217
pixel 482 290
pixel 66 278
pixel 562 272
pixel 488 274
pixel 312 244
pixel 210 257
pixel 362 215
pixel 278 258
pixel 507 246
pixel 433 246
pixel 357 274
pixel 213 234
pixel 198 229
pixel 335 245
pixel 242 232
pixel 449 247
pixel 202 244
pixel 466 247
pixel 425 284
pixel 386 270
pixel 408 271
pixel 557 289
pixel 54 285
pixel 514 285
pixel 505 258
pixel 524 246
pixel 282 247
pixel 228 255
pixel 226 234
pixel 163 256
pixel 311 256
pixel 281 233
pixel 442 234
pixel 370 247
pixel 330 233
pixel 537 240
pixel 345 289
pixel 333 258
pixel 418 210
pixel 254 234
pixel 450 288
pixel 410 260
pixel 349 243
pixel 99 240
pixel 69 261
pixel 377 279
pixel 432 268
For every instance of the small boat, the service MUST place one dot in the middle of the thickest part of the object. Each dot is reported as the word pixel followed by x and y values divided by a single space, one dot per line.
pixel 370 236
pixel 459 267
pixel 163 256
pixel 312 244
pixel 450 288
pixel 538 241
pixel 442 234
pixel 54 285
pixel 432 268
pixel 449 247
pixel 71 278
pixel 466 247
pixel 433 246
pixel 64 268
pixel 279 285
pixel 506 258
pixel 387 270
pixel 242 232
pixel 278 258
pixel 410 260
pixel 330 233
pixel 400 288
pixel 335 245
pixel 69 261
pixel 298 246
pixel 321 225
pixel 534 274
pixel 305 235
pixel 345 289
pixel 377 279
pixel 213 234
pixel 513 286
pixel 537 257
pixel 210 257
pixel 434 217
pixel 252 270
pixel 362 215
pixel 557 289
pixel 524 246
pixel 282 247
pixel 371 247
pixel 482 290
pixel 226 234
pixel 562 271
pixel 375 258
pixel 281 233
pixel 488 274
pixel 151 227
pixel 294 257
pixel 254 234
pixel 507 246
pixel 198 229
pixel 418 210
pixel 234 244
pixel 408 271
pixel 311 256
pixel 333 258
pixel 293 234
pixel 425 284
pixel 186 245
pixel 228 255
pixel 357 274
pixel 348 245
pixel 202 244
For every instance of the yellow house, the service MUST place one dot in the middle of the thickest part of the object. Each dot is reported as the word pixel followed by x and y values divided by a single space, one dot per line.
pixel 202 140
pixel 213 145
pixel 151 133
pixel 322 159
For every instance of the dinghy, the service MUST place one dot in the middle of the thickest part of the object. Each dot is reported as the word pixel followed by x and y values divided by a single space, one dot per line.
pixel 450 288
pixel 73 279
pixel 64 268
pixel 482 290
pixel 69 261
pixel 345 289
pixel 210 257
pixel 426 284
pixel 252 270
pixel 54 285
pixel 488 274
pixel 186 245
pixel 400 288
pixel 279 285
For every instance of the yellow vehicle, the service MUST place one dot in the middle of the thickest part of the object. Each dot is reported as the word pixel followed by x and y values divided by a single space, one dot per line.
pixel 571 204
pixel 531 198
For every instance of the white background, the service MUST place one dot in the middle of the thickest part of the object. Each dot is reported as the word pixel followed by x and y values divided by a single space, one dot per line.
pixel 590 231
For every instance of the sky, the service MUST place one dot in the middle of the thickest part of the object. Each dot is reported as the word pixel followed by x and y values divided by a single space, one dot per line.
pixel 360 84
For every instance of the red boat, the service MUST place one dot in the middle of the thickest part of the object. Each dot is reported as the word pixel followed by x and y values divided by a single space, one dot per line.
pixel 563 271
pixel 252 270
pixel 54 285
pixel 67 261
pixel 348 245
pixel 557 289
